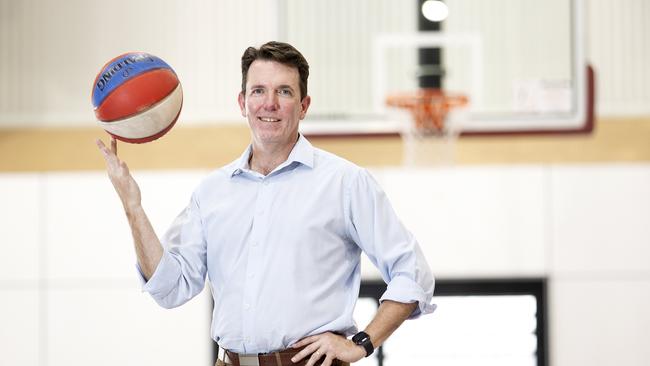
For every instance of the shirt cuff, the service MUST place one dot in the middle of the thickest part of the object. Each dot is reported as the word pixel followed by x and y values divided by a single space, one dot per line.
pixel 404 290
pixel 163 279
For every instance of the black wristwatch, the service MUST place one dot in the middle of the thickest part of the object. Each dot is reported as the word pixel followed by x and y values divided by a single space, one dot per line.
pixel 363 339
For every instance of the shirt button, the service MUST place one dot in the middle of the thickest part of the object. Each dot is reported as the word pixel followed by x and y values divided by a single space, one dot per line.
pixel 255 243
pixel 247 306
pixel 251 275
pixel 266 182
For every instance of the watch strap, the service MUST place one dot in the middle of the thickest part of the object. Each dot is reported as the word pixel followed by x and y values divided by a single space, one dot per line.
pixel 363 339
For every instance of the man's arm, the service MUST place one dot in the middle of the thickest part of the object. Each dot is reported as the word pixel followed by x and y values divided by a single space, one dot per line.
pixel 147 245
pixel 389 317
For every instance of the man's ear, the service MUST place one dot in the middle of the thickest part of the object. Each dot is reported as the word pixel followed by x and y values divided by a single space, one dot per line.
pixel 241 99
pixel 304 105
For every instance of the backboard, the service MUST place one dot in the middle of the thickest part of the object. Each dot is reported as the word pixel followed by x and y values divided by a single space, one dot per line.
pixel 521 63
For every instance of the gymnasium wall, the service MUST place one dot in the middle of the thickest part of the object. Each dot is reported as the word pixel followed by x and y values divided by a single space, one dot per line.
pixel 51 51
pixel 68 288
pixel 575 209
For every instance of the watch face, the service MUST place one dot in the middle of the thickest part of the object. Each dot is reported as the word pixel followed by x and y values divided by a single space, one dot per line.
pixel 360 337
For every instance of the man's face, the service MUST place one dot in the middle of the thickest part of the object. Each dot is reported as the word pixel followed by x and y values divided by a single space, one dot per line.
pixel 272 102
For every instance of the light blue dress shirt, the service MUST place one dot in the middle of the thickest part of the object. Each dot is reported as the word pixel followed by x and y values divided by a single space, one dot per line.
pixel 282 251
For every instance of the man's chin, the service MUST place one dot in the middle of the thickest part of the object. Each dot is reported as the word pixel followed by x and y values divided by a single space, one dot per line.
pixel 269 138
pixel 275 137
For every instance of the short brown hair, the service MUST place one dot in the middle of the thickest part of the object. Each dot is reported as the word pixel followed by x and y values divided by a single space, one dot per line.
pixel 283 53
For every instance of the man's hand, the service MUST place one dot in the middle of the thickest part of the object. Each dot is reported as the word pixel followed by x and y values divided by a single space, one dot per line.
pixel 328 345
pixel 118 172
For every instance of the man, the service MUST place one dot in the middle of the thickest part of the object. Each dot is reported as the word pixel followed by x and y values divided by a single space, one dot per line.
pixel 279 233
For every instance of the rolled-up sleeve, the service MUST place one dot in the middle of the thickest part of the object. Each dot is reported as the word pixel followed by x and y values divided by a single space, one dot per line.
pixel 375 227
pixel 181 272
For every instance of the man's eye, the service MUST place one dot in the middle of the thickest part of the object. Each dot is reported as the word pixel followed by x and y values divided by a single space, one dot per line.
pixel 286 92
pixel 257 91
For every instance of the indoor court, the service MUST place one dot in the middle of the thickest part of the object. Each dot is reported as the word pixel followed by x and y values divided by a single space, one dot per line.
pixel 512 138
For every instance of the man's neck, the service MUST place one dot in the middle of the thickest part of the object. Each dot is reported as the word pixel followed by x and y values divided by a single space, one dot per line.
pixel 265 158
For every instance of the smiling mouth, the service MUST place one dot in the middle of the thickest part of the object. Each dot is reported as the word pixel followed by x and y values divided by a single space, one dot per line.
pixel 268 119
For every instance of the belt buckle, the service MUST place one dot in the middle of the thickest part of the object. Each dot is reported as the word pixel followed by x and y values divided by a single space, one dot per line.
pixel 249 360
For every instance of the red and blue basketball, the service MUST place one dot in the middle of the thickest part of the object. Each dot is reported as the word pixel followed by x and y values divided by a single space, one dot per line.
pixel 137 97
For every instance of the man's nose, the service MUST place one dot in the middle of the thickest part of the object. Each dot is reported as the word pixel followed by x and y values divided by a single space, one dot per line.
pixel 271 102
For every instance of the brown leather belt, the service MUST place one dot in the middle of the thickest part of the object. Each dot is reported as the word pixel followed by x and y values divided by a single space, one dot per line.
pixel 280 358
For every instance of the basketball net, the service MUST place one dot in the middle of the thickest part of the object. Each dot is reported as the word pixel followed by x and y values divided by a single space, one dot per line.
pixel 430 133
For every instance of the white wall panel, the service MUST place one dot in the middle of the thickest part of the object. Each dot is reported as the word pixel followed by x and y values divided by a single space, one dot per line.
pixel 122 326
pixel 474 221
pixel 87 234
pixel 600 323
pixel 19 327
pixel 86 221
pixel 20 215
pixel 618 47
pixel 601 218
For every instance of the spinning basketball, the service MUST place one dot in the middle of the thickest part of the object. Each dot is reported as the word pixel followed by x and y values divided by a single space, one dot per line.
pixel 137 97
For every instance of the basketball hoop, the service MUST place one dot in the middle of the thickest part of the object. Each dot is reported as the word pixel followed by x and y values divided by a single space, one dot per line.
pixel 429 138
pixel 428 107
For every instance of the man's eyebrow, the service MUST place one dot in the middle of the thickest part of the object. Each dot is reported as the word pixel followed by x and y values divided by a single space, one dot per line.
pixel 261 86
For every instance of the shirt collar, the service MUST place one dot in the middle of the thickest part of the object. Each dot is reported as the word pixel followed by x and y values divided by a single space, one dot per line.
pixel 302 152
